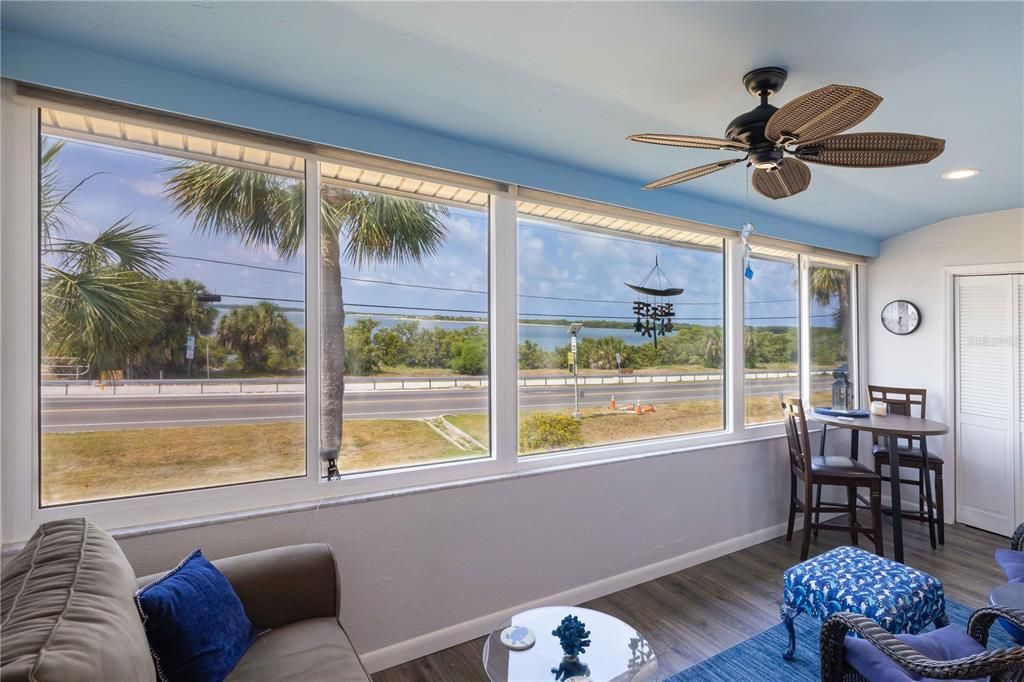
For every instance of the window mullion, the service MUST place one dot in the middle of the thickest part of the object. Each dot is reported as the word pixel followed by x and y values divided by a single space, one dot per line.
pixel 805 329
pixel 733 366
pixel 857 373
pixel 504 319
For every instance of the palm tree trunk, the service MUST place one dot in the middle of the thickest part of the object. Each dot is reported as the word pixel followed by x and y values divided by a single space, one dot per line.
pixel 332 346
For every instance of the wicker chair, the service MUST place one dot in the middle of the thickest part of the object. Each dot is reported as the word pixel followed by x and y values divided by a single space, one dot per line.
pixel 1017 541
pixel 999 665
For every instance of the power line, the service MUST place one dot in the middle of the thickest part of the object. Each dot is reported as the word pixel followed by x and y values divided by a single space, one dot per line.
pixel 384 307
pixel 415 286
pixel 455 289
pixel 262 298
pixel 238 265
pixel 406 307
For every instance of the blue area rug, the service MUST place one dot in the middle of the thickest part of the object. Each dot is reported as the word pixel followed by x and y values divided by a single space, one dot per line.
pixel 760 657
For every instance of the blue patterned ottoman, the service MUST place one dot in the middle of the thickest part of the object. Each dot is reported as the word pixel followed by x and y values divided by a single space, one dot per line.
pixel 897 597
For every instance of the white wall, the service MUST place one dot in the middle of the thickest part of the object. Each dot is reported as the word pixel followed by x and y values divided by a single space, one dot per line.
pixel 911 266
pixel 432 569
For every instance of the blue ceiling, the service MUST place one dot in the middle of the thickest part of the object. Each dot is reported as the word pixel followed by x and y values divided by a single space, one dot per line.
pixel 566 82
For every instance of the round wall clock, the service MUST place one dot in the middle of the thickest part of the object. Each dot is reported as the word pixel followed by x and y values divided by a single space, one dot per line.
pixel 901 317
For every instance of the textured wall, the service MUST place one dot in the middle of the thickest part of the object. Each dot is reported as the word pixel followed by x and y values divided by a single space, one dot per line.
pixel 419 563
pixel 910 267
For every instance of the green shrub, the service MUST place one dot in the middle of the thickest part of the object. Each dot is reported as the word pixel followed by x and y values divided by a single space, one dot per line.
pixel 547 431
pixel 470 357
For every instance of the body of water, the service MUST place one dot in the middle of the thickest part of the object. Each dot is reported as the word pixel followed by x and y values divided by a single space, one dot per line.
pixel 547 336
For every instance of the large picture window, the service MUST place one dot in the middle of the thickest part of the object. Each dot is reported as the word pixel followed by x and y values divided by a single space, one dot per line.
pixel 172 312
pixel 771 334
pixel 404 323
pixel 449 327
pixel 630 379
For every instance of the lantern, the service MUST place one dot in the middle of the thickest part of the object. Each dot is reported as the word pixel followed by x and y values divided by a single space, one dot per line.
pixel 842 391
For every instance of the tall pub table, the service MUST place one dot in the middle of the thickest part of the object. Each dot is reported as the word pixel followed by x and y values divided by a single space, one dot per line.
pixel 892 427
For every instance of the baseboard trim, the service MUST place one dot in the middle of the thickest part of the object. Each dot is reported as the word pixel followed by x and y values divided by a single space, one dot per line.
pixel 410 649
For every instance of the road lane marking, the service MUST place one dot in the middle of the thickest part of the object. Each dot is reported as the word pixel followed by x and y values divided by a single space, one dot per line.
pixel 178 421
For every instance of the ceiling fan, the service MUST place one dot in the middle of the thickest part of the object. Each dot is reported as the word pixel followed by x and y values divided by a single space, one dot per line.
pixel 806 129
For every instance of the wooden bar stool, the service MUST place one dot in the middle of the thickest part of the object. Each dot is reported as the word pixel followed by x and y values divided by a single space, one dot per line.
pixel 911 402
pixel 833 470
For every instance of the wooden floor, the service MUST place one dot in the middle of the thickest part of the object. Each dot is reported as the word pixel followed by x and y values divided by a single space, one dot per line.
pixel 693 614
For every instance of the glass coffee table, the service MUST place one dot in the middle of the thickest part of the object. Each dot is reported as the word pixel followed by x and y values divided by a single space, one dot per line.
pixel 618 652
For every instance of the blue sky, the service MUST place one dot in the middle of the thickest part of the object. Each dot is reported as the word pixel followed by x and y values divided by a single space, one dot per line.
pixel 554 261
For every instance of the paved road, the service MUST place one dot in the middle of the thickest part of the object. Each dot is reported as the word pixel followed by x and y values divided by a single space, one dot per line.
pixel 137 412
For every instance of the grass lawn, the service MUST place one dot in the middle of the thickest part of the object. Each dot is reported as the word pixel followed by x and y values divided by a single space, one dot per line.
pixel 93 465
pixel 601 426
pixel 476 426
pixel 104 464
pixel 383 443
pixel 99 464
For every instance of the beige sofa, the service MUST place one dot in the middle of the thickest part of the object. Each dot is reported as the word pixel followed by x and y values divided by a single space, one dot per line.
pixel 67 612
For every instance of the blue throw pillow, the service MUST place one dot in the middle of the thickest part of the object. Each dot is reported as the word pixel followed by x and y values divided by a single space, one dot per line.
pixel 195 623
pixel 1012 564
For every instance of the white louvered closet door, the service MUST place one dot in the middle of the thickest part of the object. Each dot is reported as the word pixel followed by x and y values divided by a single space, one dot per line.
pixel 989 378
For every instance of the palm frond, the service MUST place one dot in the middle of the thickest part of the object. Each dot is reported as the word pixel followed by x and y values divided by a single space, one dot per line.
pixel 53 198
pixel 130 247
pixel 386 229
pixel 99 315
pixel 261 209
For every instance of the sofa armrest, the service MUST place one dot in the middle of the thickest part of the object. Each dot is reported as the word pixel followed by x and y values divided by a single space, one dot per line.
pixel 282 585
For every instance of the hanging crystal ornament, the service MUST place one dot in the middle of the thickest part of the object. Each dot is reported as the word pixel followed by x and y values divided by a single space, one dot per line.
pixel 745 233
pixel 746 230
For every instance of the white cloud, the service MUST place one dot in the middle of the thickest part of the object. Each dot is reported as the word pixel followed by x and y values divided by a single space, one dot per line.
pixel 149 188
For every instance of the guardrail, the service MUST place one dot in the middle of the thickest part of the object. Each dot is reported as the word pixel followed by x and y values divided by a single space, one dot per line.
pixel 83 387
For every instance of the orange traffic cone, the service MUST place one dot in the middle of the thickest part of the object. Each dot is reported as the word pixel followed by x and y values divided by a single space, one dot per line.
pixel 638 407
pixel 611 405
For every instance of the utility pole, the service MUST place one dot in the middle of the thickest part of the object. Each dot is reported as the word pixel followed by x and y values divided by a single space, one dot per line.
pixel 574 329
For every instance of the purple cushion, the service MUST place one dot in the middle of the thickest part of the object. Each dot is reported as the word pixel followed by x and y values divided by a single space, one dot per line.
pixel 944 644
pixel 1012 564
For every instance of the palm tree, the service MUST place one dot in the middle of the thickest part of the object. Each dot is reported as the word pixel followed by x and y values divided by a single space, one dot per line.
pixel 713 347
pixel 828 284
pixel 267 211
pixel 253 331
pixel 183 313
pixel 100 298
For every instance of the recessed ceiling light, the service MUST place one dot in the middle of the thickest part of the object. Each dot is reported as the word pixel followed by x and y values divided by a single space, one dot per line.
pixel 960 174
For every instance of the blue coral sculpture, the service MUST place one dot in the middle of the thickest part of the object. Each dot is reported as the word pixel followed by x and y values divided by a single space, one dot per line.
pixel 572 635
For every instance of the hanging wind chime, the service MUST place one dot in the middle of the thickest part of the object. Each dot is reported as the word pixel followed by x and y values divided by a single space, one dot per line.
pixel 654 318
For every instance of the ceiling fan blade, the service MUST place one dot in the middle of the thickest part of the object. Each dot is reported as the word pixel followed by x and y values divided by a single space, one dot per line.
pixel 692 141
pixel 791 177
pixel 872 150
pixel 821 113
pixel 691 174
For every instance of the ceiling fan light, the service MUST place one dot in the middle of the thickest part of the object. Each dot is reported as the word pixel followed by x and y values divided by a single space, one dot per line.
pixel 960 174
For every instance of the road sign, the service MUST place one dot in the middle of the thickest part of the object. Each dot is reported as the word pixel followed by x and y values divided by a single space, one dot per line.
pixel 573 343
pixel 190 347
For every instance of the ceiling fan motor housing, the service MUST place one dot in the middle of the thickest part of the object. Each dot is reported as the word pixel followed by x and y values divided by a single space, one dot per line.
pixel 748 128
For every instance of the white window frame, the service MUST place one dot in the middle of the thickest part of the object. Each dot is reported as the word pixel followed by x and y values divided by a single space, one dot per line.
pixel 19 361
